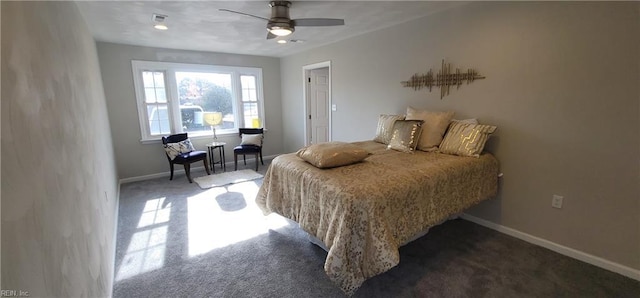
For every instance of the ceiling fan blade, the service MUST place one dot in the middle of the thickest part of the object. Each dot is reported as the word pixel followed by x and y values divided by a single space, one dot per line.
pixel 271 35
pixel 242 13
pixel 318 22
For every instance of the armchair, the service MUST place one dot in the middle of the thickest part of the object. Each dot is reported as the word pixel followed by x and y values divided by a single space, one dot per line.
pixel 251 144
pixel 179 147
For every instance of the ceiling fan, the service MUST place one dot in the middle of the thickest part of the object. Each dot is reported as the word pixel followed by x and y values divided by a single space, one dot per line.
pixel 280 24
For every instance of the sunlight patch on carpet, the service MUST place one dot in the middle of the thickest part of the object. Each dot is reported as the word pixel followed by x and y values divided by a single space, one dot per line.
pixel 154 213
pixel 146 250
pixel 207 218
pixel 145 253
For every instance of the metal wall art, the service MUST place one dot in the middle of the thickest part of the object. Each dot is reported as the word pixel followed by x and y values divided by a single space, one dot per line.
pixel 443 79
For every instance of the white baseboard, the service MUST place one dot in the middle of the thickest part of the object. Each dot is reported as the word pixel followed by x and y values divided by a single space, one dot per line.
pixel 180 171
pixel 567 251
pixel 115 239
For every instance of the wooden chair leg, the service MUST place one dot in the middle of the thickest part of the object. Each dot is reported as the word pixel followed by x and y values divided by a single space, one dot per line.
pixel 171 167
pixel 244 156
pixel 187 169
pixel 256 161
pixel 206 166
pixel 235 160
pixel 261 160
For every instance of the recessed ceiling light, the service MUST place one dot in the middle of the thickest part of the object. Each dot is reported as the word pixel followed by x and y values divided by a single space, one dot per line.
pixel 282 41
pixel 158 19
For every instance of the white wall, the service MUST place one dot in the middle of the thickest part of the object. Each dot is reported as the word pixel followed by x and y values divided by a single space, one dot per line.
pixel 59 182
pixel 562 86
pixel 135 159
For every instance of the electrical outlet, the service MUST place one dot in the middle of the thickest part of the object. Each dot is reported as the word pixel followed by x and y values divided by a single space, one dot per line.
pixel 556 201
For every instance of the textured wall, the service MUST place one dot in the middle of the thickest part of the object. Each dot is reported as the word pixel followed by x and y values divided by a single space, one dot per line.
pixel 59 182
pixel 562 87
pixel 136 159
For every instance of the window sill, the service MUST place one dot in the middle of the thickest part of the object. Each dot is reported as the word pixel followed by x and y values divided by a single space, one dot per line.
pixel 196 137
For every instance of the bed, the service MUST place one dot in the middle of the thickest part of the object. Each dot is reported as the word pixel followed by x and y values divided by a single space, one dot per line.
pixel 364 212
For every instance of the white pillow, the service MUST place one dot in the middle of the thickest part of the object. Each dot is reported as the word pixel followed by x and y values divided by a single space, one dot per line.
pixel 251 139
pixel 175 149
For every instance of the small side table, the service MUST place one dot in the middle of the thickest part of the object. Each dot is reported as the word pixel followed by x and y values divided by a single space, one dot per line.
pixel 211 147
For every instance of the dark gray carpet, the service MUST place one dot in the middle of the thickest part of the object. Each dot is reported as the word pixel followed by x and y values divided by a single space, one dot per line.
pixel 177 240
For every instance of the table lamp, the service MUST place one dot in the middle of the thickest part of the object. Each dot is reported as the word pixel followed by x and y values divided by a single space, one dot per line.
pixel 213 119
pixel 255 123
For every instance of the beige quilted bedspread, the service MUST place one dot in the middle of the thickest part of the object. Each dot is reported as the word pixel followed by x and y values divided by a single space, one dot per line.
pixel 364 212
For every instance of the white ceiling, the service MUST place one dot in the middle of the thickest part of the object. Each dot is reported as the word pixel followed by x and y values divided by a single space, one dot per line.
pixel 199 25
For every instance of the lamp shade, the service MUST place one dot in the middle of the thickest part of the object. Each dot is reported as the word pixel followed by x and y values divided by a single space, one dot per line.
pixel 212 118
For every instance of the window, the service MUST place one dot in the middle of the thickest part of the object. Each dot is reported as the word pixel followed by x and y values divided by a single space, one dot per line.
pixel 178 97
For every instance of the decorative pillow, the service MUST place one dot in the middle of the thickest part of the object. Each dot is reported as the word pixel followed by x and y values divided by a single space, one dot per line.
pixel 466 139
pixel 406 134
pixel 385 128
pixel 332 154
pixel 433 129
pixel 251 139
pixel 175 149
pixel 470 121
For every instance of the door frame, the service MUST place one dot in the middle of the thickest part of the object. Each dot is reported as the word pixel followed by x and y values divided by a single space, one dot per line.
pixel 306 70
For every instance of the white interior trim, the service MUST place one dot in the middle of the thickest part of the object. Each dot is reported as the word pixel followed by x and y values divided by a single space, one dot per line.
pixel 115 240
pixel 306 70
pixel 169 70
pixel 178 170
pixel 561 249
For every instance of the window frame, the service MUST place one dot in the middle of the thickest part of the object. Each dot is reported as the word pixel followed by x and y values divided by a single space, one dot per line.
pixel 173 102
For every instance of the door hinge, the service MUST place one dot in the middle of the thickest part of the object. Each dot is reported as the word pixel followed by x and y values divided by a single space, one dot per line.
pixel 309 117
pixel 309 78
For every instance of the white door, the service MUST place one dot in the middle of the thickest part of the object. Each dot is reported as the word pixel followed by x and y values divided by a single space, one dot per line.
pixel 319 101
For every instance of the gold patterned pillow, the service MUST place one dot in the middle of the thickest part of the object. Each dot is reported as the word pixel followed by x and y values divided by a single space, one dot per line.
pixel 466 139
pixel 385 128
pixel 433 129
pixel 406 134
pixel 332 154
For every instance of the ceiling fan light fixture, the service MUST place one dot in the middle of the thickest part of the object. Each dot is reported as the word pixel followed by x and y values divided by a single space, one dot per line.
pixel 280 23
pixel 280 31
